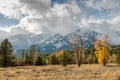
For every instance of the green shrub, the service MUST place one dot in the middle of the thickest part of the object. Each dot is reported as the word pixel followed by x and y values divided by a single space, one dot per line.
pixel 54 59
pixel 64 58
pixel 118 58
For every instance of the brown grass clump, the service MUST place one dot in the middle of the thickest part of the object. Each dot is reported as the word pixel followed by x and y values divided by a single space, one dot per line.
pixel 57 72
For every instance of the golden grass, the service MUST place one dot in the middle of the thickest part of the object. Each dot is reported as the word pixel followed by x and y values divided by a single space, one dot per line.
pixel 57 72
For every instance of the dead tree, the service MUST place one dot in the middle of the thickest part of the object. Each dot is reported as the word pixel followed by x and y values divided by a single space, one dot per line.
pixel 78 49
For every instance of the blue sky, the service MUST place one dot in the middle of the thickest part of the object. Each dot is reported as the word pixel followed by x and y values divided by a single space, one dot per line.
pixel 63 17
pixel 59 1
pixel 6 22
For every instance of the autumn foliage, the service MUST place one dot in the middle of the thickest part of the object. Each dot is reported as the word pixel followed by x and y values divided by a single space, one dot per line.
pixel 102 50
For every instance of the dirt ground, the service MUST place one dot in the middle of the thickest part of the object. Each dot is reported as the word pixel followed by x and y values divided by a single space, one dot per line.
pixel 58 72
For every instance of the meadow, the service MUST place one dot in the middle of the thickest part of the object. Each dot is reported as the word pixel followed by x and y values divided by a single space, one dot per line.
pixel 58 72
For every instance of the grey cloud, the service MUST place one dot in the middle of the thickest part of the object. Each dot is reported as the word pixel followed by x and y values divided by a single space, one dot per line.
pixel 66 18
pixel 106 27
pixel 56 19
pixel 41 6
pixel 106 4
pixel 14 30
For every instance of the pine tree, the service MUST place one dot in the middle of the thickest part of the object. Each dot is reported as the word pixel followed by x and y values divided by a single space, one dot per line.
pixel 38 50
pixel 118 58
pixel 33 54
pixel 38 53
pixel 39 60
pixel 27 59
pixel 23 57
pixel 6 53
pixel 14 60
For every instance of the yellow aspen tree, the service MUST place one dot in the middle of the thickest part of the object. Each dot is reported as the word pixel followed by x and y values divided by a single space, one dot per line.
pixel 102 50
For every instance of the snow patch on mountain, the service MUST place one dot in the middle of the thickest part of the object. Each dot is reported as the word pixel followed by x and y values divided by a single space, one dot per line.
pixel 50 43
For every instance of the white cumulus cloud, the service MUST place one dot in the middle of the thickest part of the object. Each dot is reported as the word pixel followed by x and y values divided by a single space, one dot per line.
pixel 39 16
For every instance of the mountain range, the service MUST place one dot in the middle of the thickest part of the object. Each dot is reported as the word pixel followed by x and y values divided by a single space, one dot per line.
pixel 51 43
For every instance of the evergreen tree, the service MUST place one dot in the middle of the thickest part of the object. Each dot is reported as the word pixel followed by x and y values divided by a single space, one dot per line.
pixel 33 55
pixel 38 50
pixel 27 59
pixel 118 58
pixel 14 60
pixel 39 60
pixel 6 53
pixel 38 53
pixel 23 57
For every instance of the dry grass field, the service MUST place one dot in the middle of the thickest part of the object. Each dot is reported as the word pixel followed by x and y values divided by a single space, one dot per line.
pixel 57 72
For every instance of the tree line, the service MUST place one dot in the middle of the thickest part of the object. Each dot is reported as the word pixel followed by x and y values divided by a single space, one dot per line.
pixel 101 53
